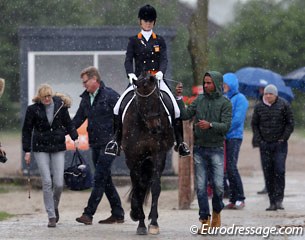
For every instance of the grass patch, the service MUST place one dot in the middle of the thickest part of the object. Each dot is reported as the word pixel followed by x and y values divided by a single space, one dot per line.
pixel 11 134
pixel 10 187
pixel 5 215
pixel 3 190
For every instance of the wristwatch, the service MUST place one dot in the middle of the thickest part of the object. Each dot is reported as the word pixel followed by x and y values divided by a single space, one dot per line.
pixel 211 125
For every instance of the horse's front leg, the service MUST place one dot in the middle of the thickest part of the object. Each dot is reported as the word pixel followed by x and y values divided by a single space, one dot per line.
pixel 155 193
pixel 137 200
pixel 137 212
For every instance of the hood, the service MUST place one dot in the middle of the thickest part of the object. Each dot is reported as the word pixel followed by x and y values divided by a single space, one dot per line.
pixel 65 98
pixel 231 80
pixel 218 81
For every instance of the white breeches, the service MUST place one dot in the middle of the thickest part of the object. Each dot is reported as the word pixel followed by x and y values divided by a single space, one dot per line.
pixel 163 87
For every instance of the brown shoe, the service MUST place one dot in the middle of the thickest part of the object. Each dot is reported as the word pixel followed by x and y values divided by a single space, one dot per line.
pixel 206 223
pixel 52 223
pixel 85 219
pixel 216 220
pixel 112 219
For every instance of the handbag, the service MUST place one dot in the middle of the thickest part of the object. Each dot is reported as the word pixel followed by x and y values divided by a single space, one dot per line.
pixel 78 176
pixel 3 158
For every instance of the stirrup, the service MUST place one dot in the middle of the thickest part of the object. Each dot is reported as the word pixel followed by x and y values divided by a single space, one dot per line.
pixel 112 149
pixel 183 149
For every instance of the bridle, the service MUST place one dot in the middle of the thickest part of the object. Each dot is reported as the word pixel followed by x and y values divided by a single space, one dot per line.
pixel 146 117
pixel 146 95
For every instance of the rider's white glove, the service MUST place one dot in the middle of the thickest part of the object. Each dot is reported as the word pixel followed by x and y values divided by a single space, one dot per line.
pixel 159 75
pixel 131 77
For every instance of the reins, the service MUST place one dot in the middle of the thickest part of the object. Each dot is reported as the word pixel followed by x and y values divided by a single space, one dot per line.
pixel 151 116
pixel 147 95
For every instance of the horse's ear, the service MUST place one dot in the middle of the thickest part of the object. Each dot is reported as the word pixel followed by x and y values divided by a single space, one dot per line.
pixel 152 78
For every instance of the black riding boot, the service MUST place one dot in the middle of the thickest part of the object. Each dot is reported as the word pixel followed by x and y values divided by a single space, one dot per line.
pixel 181 146
pixel 114 146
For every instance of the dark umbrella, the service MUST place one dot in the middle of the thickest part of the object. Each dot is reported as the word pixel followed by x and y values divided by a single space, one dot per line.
pixel 296 79
pixel 252 78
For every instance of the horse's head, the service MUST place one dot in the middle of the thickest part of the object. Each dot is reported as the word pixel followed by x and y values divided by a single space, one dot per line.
pixel 148 101
pixel 146 83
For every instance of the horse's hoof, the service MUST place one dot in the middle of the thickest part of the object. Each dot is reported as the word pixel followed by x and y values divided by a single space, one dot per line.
pixel 133 217
pixel 154 230
pixel 142 231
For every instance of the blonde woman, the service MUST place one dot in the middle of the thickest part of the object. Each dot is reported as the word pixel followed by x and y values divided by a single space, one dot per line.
pixel 46 123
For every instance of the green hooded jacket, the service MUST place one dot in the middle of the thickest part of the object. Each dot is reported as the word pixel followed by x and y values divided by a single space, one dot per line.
pixel 214 108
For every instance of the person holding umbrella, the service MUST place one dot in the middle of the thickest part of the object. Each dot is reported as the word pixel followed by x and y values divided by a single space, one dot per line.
pixel 262 84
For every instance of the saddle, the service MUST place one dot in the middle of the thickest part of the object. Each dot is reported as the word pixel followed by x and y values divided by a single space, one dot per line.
pixel 165 100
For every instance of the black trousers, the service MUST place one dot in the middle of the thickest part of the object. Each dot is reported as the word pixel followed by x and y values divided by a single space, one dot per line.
pixel 273 155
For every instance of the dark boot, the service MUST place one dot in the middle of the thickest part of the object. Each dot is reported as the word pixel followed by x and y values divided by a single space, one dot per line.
pixel 263 191
pixel 272 207
pixel 279 205
pixel 114 146
pixel 52 223
pixel 181 146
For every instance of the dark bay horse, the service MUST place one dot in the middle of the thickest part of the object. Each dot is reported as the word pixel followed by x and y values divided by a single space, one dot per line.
pixel 147 137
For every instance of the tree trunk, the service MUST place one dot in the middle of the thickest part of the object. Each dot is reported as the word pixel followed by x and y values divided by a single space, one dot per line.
pixel 198 48
pixel 198 41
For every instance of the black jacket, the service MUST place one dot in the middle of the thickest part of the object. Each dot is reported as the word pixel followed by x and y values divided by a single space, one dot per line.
pixel 99 115
pixel 46 137
pixel 272 123
pixel 149 55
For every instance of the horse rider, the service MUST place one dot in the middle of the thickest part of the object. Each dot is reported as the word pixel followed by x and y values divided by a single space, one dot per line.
pixel 148 50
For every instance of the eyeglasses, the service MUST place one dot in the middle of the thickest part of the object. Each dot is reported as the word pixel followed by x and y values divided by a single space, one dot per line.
pixel 46 96
pixel 85 82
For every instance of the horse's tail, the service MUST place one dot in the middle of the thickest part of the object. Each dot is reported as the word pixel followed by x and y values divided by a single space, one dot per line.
pixel 141 180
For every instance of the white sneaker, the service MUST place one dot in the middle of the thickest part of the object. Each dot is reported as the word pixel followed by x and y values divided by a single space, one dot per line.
pixel 239 204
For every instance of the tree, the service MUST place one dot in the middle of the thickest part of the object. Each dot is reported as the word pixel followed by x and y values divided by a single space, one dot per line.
pixel 267 34
pixel 198 40
pixel 264 34
pixel 59 13
pixel 29 13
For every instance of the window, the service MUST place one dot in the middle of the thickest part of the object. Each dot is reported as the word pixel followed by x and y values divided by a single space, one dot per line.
pixel 62 71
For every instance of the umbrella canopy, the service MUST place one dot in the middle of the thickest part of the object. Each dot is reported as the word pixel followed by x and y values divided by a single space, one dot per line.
pixel 252 78
pixel 296 79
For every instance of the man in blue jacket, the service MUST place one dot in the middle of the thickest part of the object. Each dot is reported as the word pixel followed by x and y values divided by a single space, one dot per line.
pixel 97 106
pixel 234 139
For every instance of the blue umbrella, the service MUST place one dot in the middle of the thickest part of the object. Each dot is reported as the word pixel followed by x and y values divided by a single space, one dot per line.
pixel 296 79
pixel 252 78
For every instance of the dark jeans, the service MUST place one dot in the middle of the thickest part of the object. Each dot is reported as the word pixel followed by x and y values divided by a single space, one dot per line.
pixel 208 161
pixel 103 183
pixel 235 183
pixel 273 157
